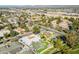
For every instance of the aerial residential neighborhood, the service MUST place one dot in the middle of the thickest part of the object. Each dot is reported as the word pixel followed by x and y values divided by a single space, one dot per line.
pixel 39 30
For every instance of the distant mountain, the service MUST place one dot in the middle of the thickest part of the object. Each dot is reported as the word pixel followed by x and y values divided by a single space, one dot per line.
pixel 39 6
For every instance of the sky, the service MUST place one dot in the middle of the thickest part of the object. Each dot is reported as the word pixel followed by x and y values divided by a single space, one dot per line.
pixel 39 2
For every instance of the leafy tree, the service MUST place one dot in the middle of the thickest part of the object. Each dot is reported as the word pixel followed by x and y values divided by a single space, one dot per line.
pixel 9 27
pixel 26 28
pixel 36 29
pixel 59 44
pixel 66 18
pixel 43 18
pixel 1 38
pixel 52 18
pixel 58 19
pixel 0 14
pixel 13 33
pixel 1 27
pixel 23 25
pixel 71 19
pixel 71 39
pixel 7 35
pixel 75 24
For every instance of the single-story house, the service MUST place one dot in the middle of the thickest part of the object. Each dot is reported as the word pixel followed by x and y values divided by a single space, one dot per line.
pixel 27 40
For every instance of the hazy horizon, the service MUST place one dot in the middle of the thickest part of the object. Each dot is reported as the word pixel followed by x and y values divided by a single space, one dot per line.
pixel 39 6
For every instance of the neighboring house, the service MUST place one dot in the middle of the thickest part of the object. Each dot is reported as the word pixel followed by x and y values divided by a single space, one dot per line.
pixel 1 35
pixel 13 20
pixel 20 30
pixel 27 40
pixel 49 35
pixel 65 24
pixel 54 23
pixel 3 31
